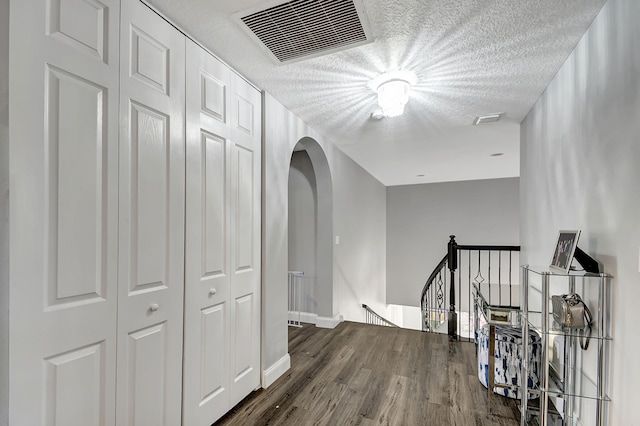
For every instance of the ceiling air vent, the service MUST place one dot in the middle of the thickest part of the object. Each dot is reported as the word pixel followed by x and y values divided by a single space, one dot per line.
pixel 306 28
pixel 490 118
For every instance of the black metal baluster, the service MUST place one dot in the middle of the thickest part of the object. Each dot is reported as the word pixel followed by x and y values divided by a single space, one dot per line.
pixel 489 274
pixel 510 272
pixel 469 281
pixel 500 277
pixel 453 265
pixel 459 292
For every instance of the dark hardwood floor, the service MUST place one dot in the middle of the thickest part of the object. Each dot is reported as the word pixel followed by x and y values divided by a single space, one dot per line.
pixel 359 374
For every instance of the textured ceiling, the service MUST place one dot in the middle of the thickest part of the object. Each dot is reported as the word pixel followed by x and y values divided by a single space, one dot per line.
pixel 470 57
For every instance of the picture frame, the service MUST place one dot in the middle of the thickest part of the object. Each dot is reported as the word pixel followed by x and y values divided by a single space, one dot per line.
pixel 564 250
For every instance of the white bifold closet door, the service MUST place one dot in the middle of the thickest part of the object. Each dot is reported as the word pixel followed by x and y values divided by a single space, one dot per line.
pixel 222 269
pixel 151 219
pixel 64 211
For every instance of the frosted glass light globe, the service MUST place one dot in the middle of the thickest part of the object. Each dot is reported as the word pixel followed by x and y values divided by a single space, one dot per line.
pixel 393 96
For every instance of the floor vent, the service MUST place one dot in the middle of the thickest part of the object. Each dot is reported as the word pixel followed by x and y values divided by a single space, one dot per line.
pixel 306 28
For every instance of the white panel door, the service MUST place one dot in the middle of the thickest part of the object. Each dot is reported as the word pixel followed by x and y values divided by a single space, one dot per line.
pixel 151 219
pixel 246 125
pixel 64 224
pixel 222 270
pixel 208 242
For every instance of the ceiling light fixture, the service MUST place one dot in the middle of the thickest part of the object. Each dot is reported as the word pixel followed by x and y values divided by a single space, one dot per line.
pixel 393 91
pixel 393 96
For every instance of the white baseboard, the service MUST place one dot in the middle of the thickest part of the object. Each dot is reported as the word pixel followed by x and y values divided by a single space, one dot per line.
pixel 271 374
pixel 322 322
pixel 307 317
pixel 329 322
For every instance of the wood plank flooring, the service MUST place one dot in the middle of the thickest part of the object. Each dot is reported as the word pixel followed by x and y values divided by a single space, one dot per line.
pixel 360 374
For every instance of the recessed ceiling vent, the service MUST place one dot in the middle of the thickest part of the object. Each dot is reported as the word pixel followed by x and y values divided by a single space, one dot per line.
pixel 306 28
pixel 489 118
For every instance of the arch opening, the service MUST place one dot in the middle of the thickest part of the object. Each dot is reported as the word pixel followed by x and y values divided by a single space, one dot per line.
pixel 310 237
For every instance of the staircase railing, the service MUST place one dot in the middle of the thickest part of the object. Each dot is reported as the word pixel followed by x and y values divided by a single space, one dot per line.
pixel 447 294
pixel 371 317
pixel 433 302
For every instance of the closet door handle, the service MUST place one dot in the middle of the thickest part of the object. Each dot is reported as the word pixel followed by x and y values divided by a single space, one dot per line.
pixel 154 307
pixel 212 292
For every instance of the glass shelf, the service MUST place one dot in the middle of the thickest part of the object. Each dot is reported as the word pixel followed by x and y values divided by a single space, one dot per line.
pixel 535 322
pixel 544 270
pixel 534 416
pixel 585 386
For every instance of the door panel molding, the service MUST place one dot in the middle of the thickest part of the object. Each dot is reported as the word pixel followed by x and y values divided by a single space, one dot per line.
pixel 222 309
pixel 64 222
pixel 151 217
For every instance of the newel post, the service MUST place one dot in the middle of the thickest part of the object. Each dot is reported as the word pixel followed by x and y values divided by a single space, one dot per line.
pixel 452 261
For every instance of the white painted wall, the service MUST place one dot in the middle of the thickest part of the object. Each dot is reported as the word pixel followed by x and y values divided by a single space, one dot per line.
pixel 580 165
pixel 404 316
pixel 303 226
pixel 358 218
pixel 420 219
pixel 411 317
pixel 4 212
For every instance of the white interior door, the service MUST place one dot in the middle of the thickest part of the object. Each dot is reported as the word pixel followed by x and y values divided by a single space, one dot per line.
pixel 151 219
pixel 246 124
pixel 207 251
pixel 222 270
pixel 64 171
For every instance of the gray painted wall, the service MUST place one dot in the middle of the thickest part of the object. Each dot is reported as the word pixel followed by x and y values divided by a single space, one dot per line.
pixel 360 213
pixel 4 212
pixel 360 222
pixel 302 214
pixel 420 219
pixel 303 226
pixel 358 218
pixel 580 169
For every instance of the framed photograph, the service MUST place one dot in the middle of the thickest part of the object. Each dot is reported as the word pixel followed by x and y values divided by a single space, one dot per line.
pixel 563 253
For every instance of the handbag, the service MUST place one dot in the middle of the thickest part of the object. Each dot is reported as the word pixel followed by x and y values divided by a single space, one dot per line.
pixel 570 311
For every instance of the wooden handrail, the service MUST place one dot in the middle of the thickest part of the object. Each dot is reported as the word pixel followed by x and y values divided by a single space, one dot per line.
pixel 486 247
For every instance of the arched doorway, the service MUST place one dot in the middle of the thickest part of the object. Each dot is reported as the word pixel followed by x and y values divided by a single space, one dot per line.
pixel 311 229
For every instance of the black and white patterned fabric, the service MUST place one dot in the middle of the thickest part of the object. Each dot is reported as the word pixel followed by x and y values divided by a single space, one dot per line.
pixel 508 364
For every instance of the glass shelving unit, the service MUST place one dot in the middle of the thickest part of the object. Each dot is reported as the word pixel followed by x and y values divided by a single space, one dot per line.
pixel 573 387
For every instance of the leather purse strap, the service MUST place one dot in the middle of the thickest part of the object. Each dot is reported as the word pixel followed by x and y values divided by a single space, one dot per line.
pixel 585 333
